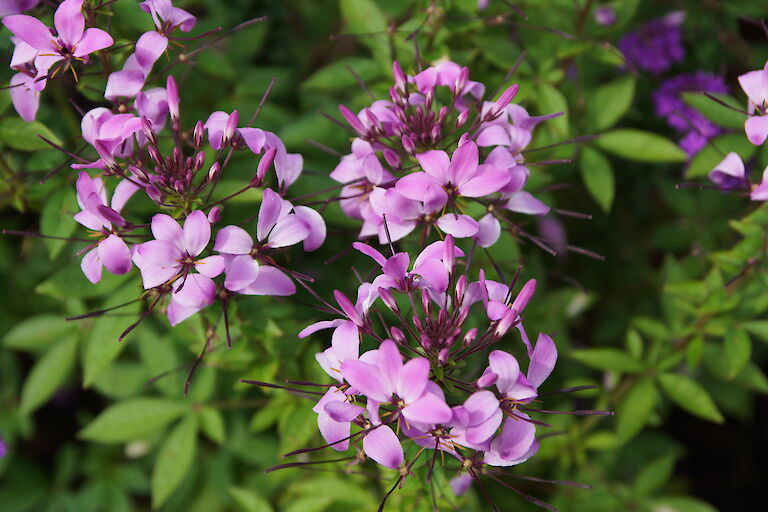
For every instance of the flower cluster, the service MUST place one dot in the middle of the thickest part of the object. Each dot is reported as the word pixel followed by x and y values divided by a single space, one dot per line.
pixel 683 118
pixel 41 52
pixel 436 155
pixel 438 376
pixel 730 173
pixel 655 46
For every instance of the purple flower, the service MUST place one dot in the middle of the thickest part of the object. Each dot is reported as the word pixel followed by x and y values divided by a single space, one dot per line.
pixel 755 85
pixel 3 448
pixel 657 45
pixel 388 380
pixel 167 17
pixel 72 42
pixel 111 251
pixel 110 134
pixel 130 80
pixel 605 15
pixel 683 118
pixel 334 416
pixel 729 173
pixel 172 256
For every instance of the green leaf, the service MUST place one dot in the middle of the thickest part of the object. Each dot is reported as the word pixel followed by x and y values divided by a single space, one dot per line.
pixel 19 134
pixel 37 332
pixel 56 219
pixel 635 409
pixel 174 460
pixel 718 114
pixel 690 396
pixel 640 146
pixel 551 100
pixel 336 76
pixel 364 17
pixel 248 500
pixel 610 359
pixel 133 419
pixel 680 504
pixel 737 351
pixel 212 424
pixel 712 154
pixel 48 374
pixel 597 175
pixel 654 475
pixel 610 102
pixel 757 327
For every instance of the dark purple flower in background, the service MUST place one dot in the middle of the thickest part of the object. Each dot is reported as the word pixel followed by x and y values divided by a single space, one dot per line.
pixel 605 15
pixel 3 448
pixel 657 45
pixel 683 118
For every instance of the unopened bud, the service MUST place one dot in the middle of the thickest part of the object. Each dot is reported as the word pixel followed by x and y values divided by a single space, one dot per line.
pixel 392 158
pixel 426 302
pixel 462 118
pixel 348 308
pixel 230 127
pixel 155 155
pixel 401 81
pixel 154 194
pixel 506 322
pixel 429 98
pixel 214 215
pixel 214 171
pixel 469 337
pixel 265 163
pixel 199 160
pixel 462 316
pixel 442 357
pixel 436 132
pixel 408 145
pixel 172 91
pixel 524 296
pixel 198 134
pixel 449 252
pixel 389 300
pixel 149 133
pixel 398 336
pixel 442 114
pixel 502 102
pixel 460 289
pixel 353 121
pixel 461 81
pixel 373 120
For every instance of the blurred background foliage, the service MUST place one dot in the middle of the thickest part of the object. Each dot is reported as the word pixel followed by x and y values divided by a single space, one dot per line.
pixel 671 326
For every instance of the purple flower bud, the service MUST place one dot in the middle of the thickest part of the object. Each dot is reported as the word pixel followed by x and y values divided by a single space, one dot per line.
pixel 139 173
pixel 199 160
pixel 198 134
pixel 111 215
pixel 155 155
pixel 417 323
pixel 177 154
pixel 462 316
pixel 506 322
pixel 462 118
pixel 393 96
pixel 461 81
pixel 401 81
pixel 400 113
pixel 398 336
pixel 353 121
pixel 408 145
pixel 460 289
pixel 154 194
pixel 149 133
pixel 348 308
pixel 502 102
pixel 469 337
pixel 372 119
pixel 442 357
pixel 425 341
pixel 214 171
pixel 436 132
pixel 392 158
pixel 429 98
pixel 442 114
pixel 214 215
pixel 264 164
pixel 178 185
pixel 230 127
pixel 449 253
pixel 389 300
pixel 173 99
pixel 426 302
pixel 524 296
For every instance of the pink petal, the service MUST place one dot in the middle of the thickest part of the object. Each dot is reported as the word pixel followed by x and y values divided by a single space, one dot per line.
pixel 32 31
pixel 435 163
pixel 367 379
pixel 197 232
pixel 493 135
pixel 91 266
pixel 488 231
pixel 428 409
pixel 318 326
pixel 26 100
pixel 346 341
pixel 115 254
pixel 125 84
pixel 160 253
pixel 371 252
pixel 164 227
pixel 460 226
pixel 343 411
pixel 233 240
pixel 211 266
pixel 123 191
pixel 461 484
pixel 333 431
pixel 382 445
pixel 463 164
pixel 435 273
pixel 389 363
pixel 177 312
pixel 488 180
pixel 241 271
pixel 149 47
pixel 755 85
pixel 412 379
pixel 316 225
pixel 418 185
pixel 93 40
pixel 288 231
pixel 515 440
pixel 505 367
pixel 542 360
pixel 269 213
pixel 757 129
pixel 524 202
pixel 484 430
pixel 480 406
pixel 152 275
pixel 270 281
pixel 69 21
pixel 194 290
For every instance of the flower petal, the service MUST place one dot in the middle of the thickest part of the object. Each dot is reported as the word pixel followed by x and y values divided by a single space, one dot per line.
pixel 69 21
pixel 270 281
pixel 160 253
pixel 458 225
pixel 524 202
pixel 269 213
pixel 428 409
pixel 91 266
pixel 316 225
pixel 233 240
pixel 288 231
pixel 488 180
pixel 542 360
pixel 194 290
pixel 506 367
pixel 115 254
pixel 382 445
pixel 464 164
pixel 93 40
pixel 32 31
pixel 197 232
pixel 25 98
pixel 367 379
pixel 241 271
pixel 436 164
pixel 211 266
pixel 412 379
pixel 757 129
pixel 164 227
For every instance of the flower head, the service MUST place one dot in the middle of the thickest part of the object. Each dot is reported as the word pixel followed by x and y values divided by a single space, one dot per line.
pixel 655 46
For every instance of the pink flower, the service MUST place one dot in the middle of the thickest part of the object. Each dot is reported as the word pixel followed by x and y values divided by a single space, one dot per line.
pixel 111 251
pixel 8 7
pixel 167 17
pixel 755 85
pixel 110 134
pixel 72 42
pixel 130 80
pixel 334 416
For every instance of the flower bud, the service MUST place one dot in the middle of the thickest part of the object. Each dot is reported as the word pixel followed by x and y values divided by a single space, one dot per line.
pixel 408 145
pixel 172 91
pixel 353 121
pixel 442 357
pixel 214 215
pixel 401 81
pixel 348 308
pixel 506 322
pixel 461 81
pixel 442 114
pixel 426 302
pixel 389 300
pixel 264 164
pixel 155 155
pixel 199 160
pixel 398 336
pixel 460 289
pixel 392 158
pixel 429 98
pixel 198 134
pixel 149 133
pixel 214 171
pixel 449 252
pixel 373 120
pixel 469 337
pixel 502 102
pixel 436 132
pixel 230 128
pixel 462 118
pixel 139 173
pixel 524 296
